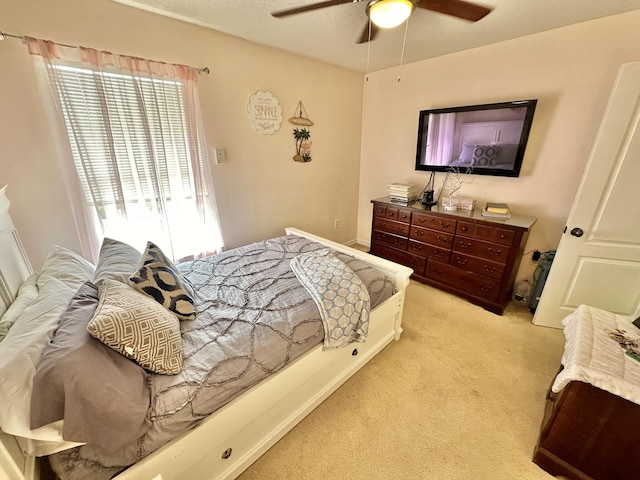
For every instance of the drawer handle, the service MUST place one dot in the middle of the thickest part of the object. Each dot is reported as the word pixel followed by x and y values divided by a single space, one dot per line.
pixel 503 236
pixel 442 239
pixel 436 272
pixel 464 229
pixel 465 245
pixel 489 269
pixel 462 261
pixel 227 453
pixel 495 252
pixel 422 220
pixel 439 254
pixel 485 289
pixel 420 233
pixel 417 248
pixel 444 225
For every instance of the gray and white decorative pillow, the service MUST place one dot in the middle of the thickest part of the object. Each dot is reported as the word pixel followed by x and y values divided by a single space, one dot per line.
pixel 159 278
pixel 485 154
pixel 138 327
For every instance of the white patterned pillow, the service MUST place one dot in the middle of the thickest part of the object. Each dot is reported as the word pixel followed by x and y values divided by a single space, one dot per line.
pixel 137 327
pixel 159 278
pixel 485 154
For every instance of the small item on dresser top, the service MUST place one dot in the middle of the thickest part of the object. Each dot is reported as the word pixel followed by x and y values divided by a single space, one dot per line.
pixel 494 207
pixel 402 200
pixel 496 210
pixel 400 187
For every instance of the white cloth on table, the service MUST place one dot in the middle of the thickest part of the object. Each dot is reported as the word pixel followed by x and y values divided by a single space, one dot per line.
pixel 592 356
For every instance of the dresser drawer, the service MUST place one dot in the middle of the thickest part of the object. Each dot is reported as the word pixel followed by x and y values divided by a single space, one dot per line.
pixel 399 214
pixel 503 236
pixel 472 283
pixel 404 215
pixel 433 237
pixel 379 210
pixel 412 261
pixel 434 222
pixel 390 239
pixel 391 226
pixel 479 248
pixel 478 265
pixel 429 251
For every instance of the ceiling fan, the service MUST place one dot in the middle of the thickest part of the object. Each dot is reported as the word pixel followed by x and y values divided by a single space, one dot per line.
pixel 379 12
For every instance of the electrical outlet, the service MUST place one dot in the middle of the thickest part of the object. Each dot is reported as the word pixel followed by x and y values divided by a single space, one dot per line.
pixel 220 154
pixel 336 223
pixel 535 256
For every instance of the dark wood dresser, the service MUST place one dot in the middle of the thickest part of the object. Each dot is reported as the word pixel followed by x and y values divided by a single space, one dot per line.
pixel 464 253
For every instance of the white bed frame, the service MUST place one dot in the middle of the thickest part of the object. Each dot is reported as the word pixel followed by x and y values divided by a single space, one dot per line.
pixel 233 437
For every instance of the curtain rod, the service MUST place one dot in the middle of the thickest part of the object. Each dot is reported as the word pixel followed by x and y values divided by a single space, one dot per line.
pixel 3 35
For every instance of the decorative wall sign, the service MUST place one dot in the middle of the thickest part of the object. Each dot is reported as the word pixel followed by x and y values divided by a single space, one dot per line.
pixel 302 136
pixel 264 112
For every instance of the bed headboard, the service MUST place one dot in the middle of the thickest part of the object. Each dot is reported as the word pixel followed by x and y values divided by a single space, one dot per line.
pixel 14 263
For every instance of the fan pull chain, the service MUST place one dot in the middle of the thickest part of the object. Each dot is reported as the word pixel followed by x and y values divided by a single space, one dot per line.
pixel 366 77
pixel 404 44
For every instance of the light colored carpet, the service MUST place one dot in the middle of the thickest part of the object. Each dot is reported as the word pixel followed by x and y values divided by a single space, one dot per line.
pixel 460 396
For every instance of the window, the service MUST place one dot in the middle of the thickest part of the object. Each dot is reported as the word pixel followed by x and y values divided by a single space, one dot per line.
pixel 139 154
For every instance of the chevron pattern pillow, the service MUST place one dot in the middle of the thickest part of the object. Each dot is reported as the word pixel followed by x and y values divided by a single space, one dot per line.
pixel 159 278
pixel 137 327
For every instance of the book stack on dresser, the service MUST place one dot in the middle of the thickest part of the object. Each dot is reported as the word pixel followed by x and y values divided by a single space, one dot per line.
pixel 402 193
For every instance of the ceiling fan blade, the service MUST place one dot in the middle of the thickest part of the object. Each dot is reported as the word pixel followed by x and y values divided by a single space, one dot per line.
pixel 456 8
pixel 308 8
pixel 364 38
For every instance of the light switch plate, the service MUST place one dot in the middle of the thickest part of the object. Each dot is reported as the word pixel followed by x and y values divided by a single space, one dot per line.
pixel 220 154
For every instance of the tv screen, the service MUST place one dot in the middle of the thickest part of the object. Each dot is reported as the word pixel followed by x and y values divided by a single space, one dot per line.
pixel 478 139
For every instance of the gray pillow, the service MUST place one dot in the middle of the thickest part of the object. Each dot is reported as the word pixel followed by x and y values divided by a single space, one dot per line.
pixel 466 154
pixel 117 261
pixel 506 154
pixel 80 380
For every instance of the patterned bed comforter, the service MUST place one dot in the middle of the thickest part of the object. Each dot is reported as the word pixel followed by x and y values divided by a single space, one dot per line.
pixel 253 318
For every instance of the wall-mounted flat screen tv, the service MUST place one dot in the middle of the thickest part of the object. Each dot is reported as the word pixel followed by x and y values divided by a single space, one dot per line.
pixel 485 139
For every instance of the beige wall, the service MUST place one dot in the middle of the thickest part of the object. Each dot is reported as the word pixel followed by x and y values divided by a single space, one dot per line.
pixel 569 70
pixel 259 191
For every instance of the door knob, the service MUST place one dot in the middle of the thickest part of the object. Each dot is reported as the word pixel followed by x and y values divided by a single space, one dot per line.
pixel 577 232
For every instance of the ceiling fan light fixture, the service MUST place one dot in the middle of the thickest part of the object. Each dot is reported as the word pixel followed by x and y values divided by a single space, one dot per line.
pixel 390 13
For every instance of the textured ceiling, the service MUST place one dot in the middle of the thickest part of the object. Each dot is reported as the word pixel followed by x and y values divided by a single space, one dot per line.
pixel 330 34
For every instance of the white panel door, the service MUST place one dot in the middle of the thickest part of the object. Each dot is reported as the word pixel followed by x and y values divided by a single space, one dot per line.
pixel 598 259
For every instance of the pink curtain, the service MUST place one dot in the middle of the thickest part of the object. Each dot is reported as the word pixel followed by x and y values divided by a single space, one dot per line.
pixel 149 115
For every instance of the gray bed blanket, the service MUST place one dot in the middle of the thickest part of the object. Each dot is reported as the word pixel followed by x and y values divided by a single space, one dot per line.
pixel 253 318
